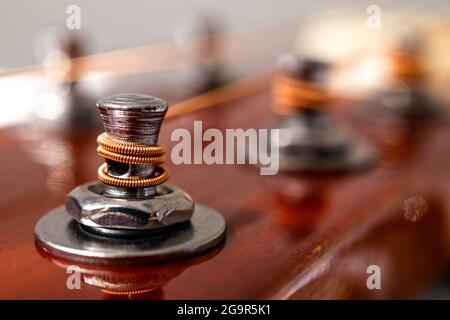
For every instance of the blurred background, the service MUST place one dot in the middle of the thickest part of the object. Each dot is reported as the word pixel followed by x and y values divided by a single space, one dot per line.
pixel 113 26
pixel 152 38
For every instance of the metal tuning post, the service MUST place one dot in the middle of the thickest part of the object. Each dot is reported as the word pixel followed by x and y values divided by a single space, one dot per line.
pixel 405 93
pixel 310 140
pixel 131 212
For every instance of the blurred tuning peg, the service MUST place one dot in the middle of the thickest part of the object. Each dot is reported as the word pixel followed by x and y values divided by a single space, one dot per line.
pixel 60 104
pixel 405 94
pixel 199 48
pixel 310 140
pixel 54 48
pixel 300 85
pixel 58 107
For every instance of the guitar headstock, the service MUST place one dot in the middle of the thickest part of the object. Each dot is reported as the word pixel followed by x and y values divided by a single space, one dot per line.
pixel 298 179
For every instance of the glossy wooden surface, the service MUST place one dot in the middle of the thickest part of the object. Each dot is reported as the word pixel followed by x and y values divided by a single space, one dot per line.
pixel 288 236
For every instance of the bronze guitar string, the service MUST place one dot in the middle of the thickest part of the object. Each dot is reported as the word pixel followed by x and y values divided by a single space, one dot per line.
pixel 130 153
pixel 127 147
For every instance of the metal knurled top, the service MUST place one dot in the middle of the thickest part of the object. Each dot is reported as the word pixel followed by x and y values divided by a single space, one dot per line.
pixel 132 117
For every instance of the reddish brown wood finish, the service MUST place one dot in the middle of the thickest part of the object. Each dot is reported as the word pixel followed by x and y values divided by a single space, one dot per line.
pixel 288 236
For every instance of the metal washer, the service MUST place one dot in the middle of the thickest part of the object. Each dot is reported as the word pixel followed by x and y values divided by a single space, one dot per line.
pixel 59 234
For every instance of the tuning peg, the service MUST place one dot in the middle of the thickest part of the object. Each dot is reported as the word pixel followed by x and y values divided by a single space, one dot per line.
pixel 131 206
pixel 199 47
pixel 405 95
pixel 310 140
pixel 300 85
pixel 60 105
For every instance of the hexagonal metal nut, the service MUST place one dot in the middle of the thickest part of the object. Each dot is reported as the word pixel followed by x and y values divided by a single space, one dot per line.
pixel 90 207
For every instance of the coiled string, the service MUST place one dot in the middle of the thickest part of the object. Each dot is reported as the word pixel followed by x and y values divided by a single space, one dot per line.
pixel 130 153
pixel 290 94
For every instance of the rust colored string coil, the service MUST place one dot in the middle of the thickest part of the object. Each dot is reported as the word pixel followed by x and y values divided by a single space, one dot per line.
pixel 140 160
pixel 290 94
pixel 132 182
pixel 134 154
pixel 128 148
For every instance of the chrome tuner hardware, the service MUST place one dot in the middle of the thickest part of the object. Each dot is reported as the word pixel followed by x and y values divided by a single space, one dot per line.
pixel 310 140
pixel 131 212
